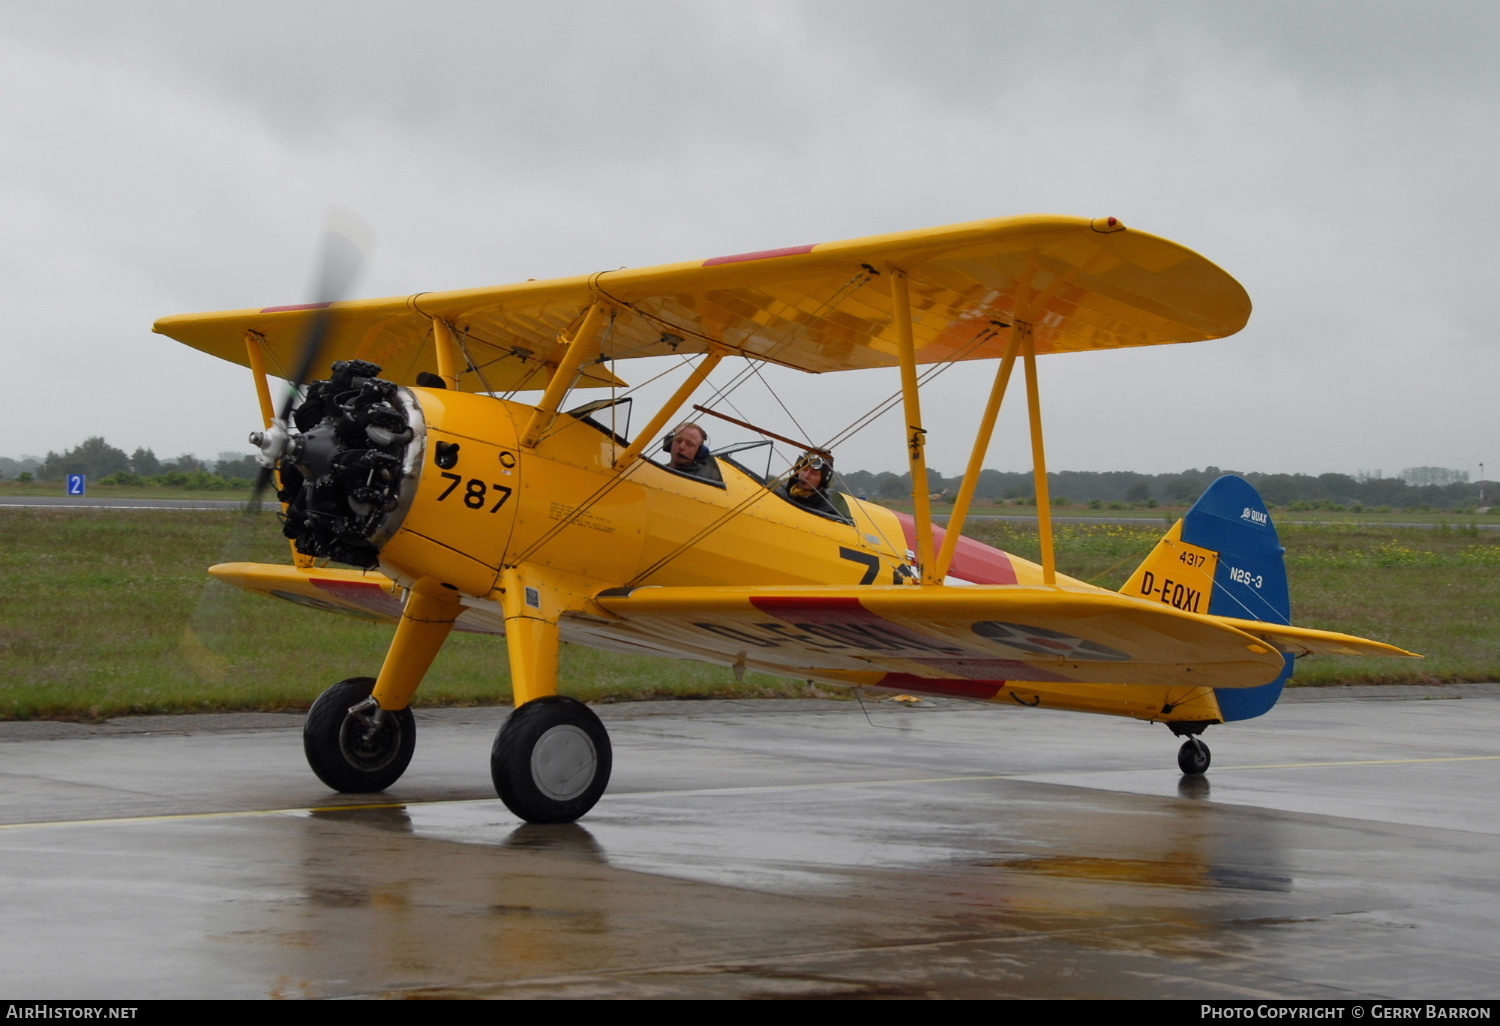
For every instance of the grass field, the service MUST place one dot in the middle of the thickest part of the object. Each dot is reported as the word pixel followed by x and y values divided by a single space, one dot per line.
pixel 19 490
pixel 105 613
pixel 940 510
pixel 1430 590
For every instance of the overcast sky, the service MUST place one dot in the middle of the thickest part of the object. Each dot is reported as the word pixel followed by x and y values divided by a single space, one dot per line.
pixel 1342 160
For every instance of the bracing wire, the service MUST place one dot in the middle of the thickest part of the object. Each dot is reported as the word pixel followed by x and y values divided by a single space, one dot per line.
pixel 721 395
pixel 858 425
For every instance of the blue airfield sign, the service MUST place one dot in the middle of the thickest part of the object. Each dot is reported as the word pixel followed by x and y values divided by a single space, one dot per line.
pixel 78 484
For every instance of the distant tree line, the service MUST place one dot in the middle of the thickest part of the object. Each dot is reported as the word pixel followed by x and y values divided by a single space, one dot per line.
pixel 104 464
pixel 1125 488
pixel 1418 487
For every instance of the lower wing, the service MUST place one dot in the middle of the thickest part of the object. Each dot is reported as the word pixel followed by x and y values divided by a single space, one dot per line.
pixel 1003 632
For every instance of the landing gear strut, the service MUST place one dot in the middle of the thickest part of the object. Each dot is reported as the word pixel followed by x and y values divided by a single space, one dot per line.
pixel 352 744
pixel 551 760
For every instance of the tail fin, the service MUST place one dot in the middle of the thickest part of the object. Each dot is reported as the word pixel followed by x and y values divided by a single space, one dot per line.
pixel 1225 559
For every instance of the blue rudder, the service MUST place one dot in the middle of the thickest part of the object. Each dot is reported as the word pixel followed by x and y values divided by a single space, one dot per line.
pixel 1250 582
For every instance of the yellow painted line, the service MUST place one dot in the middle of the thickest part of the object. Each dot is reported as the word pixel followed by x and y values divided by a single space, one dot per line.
pixel 1364 762
pixel 819 786
pixel 173 817
pixel 759 789
pixel 240 814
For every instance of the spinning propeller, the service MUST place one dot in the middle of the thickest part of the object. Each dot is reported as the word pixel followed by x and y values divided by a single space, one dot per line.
pixel 218 616
pixel 346 242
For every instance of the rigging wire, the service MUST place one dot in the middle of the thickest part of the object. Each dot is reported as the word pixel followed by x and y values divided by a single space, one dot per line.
pixel 589 502
pixel 463 344
pixel 862 423
pixel 721 395
pixel 860 698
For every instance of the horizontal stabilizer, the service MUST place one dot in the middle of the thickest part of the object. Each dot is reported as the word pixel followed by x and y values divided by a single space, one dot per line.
pixel 1306 641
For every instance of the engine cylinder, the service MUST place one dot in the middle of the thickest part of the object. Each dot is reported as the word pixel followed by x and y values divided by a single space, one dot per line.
pixel 350 471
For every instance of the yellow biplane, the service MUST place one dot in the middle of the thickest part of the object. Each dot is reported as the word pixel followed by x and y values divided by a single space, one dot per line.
pixel 463 508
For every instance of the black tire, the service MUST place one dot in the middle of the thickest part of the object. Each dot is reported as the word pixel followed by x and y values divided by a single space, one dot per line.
pixel 551 760
pixel 343 751
pixel 1193 757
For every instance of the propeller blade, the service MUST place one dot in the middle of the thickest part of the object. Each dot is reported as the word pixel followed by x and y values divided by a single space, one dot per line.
pixel 347 241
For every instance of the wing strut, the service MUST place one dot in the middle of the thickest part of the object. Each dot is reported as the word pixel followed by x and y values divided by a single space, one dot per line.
pixel 449 359
pixel 684 392
pixel 255 349
pixel 1038 454
pixel 976 458
pixel 584 345
pixel 916 435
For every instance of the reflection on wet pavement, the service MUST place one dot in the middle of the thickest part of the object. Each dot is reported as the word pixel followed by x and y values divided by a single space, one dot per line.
pixel 814 856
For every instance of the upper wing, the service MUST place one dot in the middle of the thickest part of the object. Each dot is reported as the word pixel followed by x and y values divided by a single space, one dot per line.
pixel 1081 284
pixel 988 633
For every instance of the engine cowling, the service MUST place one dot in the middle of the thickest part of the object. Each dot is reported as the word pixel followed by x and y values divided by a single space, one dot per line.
pixel 351 468
pixel 421 482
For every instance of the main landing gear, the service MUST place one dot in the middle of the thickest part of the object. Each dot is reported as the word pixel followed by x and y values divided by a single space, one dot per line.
pixel 352 744
pixel 551 760
pixel 358 741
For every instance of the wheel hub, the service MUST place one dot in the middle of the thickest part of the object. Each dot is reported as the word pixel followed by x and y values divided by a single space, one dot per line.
pixel 563 762
pixel 370 746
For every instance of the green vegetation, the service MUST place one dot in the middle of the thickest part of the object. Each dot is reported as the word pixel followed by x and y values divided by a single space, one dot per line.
pixel 104 613
pixel 1428 590
pixel 1151 512
pixel 1418 488
pixel 197 485
pixel 105 465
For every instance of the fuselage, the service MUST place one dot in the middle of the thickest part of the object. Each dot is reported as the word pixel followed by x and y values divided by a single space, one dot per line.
pixel 565 506
pixel 471 509
pixel 563 509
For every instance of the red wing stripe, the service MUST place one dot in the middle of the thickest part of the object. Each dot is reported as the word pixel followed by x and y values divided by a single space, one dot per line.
pixel 939 686
pixel 764 254
pixel 362 595
pixel 295 306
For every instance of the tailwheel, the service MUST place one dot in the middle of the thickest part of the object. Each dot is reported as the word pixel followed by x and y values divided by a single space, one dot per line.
pixel 352 744
pixel 551 760
pixel 1193 757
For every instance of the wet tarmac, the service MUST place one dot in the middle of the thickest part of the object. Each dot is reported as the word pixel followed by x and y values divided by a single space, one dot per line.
pixel 1345 846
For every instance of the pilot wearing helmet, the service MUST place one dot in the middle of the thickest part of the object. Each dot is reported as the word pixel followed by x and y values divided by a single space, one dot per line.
pixel 688 449
pixel 807 484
